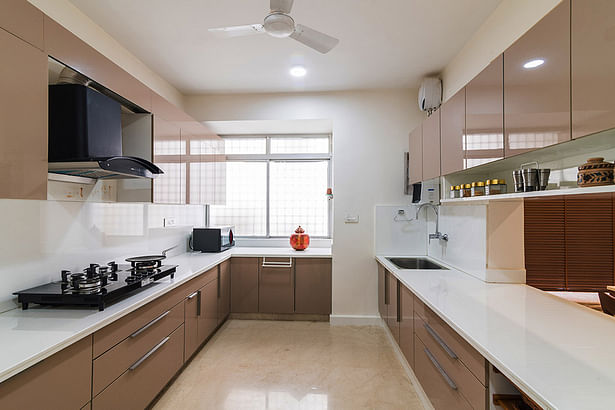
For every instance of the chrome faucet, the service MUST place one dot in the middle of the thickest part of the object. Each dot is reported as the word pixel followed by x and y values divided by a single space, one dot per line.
pixel 437 234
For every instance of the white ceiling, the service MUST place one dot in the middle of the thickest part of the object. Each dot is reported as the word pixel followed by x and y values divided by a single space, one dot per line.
pixel 383 43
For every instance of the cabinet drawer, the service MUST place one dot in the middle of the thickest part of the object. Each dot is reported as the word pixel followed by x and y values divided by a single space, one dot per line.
pixel 61 381
pixel 204 278
pixel 467 385
pixel 439 331
pixel 136 388
pixel 115 361
pixel 438 386
pixel 110 335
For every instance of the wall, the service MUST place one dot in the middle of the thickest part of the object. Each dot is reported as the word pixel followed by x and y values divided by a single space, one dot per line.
pixel 370 134
pixel 83 27
pixel 502 28
pixel 40 238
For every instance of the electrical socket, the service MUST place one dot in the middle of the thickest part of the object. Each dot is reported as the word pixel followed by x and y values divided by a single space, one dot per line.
pixel 166 222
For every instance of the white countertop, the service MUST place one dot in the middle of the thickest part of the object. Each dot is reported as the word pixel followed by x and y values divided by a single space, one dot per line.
pixel 29 336
pixel 558 352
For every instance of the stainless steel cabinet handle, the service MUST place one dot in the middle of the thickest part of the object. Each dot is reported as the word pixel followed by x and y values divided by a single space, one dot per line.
pixel 275 264
pixel 438 339
pixel 446 377
pixel 153 322
pixel 193 295
pixel 198 303
pixel 148 354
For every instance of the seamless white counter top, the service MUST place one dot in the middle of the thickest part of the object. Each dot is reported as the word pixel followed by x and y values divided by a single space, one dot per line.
pixel 29 336
pixel 558 352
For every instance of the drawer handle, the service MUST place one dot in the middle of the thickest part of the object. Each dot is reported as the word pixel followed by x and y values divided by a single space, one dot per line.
pixel 193 295
pixel 198 303
pixel 276 264
pixel 148 354
pixel 438 339
pixel 438 367
pixel 150 324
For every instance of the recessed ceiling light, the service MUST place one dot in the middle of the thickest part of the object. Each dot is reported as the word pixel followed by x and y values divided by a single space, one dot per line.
pixel 534 63
pixel 298 71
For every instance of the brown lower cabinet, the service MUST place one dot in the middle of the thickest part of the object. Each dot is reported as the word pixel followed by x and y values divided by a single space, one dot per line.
pixel 244 285
pixel 382 306
pixel 208 310
pixel 406 324
pixel 224 291
pixel 68 371
pixel 313 286
pixel 276 284
pixel 392 286
pixel 140 383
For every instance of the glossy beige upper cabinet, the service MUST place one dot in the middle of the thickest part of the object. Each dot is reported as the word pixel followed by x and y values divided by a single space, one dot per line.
pixel 431 146
pixel 453 116
pixel 415 167
pixel 22 19
pixel 593 66
pixel 484 116
pixel 169 188
pixel 537 84
pixel 23 120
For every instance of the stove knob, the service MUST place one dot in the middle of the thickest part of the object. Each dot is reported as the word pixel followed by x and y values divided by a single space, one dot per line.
pixel 65 275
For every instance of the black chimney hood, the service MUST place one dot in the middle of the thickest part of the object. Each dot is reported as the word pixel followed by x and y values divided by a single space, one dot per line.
pixel 85 136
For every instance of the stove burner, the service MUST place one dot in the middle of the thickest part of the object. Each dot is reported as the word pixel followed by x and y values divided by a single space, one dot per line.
pixel 153 264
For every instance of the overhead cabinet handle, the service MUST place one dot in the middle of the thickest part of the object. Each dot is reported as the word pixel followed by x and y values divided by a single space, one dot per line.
pixel 150 324
pixel 276 264
pixel 148 354
pixel 438 339
pixel 438 367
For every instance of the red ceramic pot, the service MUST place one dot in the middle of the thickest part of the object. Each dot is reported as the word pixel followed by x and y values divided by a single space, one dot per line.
pixel 299 240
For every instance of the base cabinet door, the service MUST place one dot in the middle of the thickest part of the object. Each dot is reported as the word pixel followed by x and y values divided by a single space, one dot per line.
pixel 244 285
pixel 224 290
pixel 69 371
pixel 406 324
pixel 140 384
pixel 276 286
pixel 208 310
pixel 313 286
pixel 437 384
pixel 191 319
pixel 392 312
pixel 382 306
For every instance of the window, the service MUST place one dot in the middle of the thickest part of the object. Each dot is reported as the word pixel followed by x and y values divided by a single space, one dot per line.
pixel 274 184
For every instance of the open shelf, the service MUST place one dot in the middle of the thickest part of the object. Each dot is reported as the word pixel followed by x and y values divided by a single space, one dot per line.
pixel 521 195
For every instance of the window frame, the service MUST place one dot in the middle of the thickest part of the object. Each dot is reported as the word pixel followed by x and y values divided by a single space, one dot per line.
pixel 268 158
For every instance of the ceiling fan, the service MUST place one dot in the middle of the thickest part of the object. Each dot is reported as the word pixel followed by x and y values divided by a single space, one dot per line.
pixel 279 24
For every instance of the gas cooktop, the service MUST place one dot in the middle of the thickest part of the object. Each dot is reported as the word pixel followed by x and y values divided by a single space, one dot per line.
pixel 96 286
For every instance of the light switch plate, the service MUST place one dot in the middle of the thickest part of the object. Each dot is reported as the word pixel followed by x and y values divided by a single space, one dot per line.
pixel 169 222
pixel 351 219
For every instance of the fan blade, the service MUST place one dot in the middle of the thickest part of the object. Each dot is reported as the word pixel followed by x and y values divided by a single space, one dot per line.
pixel 282 6
pixel 237 31
pixel 314 39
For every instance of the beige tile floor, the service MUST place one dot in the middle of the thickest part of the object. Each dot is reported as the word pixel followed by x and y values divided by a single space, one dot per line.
pixel 293 365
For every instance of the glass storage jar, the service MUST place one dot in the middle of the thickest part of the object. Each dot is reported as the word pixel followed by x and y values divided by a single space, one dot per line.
pixel 478 188
pixel 495 187
pixel 455 192
pixel 467 191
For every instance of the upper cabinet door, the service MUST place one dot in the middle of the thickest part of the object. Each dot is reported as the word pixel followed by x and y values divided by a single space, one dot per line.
pixel 23 20
pixel 23 120
pixel 484 116
pixel 415 167
pixel 168 152
pixel 453 114
pixel 537 96
pixel 593 65
pixel 431 146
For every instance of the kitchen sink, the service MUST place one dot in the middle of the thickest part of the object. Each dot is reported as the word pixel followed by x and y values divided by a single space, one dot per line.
pixel 415 263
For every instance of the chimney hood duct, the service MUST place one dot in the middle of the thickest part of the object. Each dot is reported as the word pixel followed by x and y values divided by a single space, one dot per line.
pixel 85 134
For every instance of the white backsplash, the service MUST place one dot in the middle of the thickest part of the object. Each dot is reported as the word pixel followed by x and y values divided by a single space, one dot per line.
pixel 396 236
pixel 40 238
pixel 466 226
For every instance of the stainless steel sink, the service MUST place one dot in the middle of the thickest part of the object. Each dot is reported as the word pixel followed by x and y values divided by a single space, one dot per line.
pixel 415 263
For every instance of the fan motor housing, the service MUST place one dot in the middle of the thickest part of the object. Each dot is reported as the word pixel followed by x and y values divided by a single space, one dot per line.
pixel 279 25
